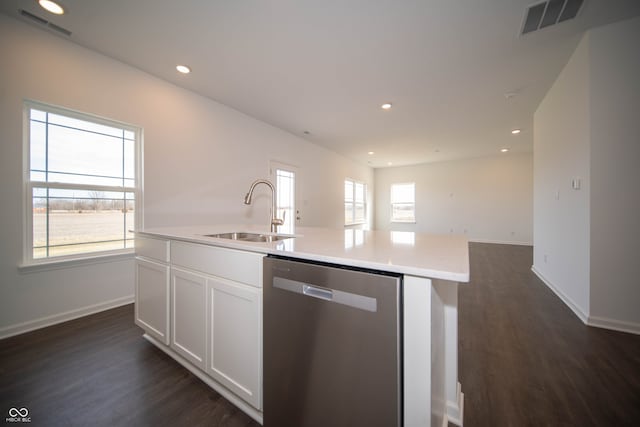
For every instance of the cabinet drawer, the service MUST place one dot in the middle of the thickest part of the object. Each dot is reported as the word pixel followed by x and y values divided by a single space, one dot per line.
pixel 240 266
pixel 149 247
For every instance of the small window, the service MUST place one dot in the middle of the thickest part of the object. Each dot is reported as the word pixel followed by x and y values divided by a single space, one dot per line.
pixel 285 199
pixel 355 202
pixel 403 202
pixel 82 184
pixel 284 178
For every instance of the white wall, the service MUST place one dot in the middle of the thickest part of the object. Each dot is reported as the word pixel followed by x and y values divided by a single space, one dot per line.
pixel 587 126
pixel 615 173
pixel 489 199
pixel 561 214
pixel 199 159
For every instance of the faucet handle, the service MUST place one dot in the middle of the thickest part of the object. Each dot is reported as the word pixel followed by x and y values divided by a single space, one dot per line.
pixel 278 221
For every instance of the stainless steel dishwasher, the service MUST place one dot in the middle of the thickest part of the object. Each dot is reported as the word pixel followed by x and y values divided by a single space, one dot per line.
pixel 332 351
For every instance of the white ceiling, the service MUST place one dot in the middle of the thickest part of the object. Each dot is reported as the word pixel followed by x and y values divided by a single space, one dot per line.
pixel 326 66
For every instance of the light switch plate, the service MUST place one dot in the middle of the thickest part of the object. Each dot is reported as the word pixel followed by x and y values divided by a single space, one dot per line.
pixel 575 183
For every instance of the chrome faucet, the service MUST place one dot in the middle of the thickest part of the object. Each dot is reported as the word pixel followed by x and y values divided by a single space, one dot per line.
pixel 275 222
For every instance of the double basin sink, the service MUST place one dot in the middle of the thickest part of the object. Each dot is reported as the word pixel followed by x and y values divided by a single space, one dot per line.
pixel 250 237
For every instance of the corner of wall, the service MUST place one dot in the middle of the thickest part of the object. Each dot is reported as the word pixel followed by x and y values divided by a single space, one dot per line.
pixel 561 213
pixel 614 64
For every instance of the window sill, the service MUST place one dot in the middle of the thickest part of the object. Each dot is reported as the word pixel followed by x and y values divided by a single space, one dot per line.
pixel 57 264
pixel 395 221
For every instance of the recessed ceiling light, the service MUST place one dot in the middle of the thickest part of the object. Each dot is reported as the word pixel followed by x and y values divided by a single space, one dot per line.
pixel 516 131
pixel 51 6
pixel 183 69
pixel 386 106
pixel 390 163
pixel 504 150
pixel 371 153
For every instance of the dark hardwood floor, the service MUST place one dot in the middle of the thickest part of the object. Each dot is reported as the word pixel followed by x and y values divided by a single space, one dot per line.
pixel 525 360
pixel 99 371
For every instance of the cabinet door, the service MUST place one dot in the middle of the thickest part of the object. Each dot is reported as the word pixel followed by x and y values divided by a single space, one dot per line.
pixel 188 316
pixel 235 338
pixel 152 298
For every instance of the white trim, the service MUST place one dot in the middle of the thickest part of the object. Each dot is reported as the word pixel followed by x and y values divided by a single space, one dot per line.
pixel 27 184
pixel 391 203
pixel 274 166
pixel 354 202
pixel 54 319
pixel 58 263
pixel 455 410
pixel 501 242
pixel 65 186
pixel 79 115
pixel 417 354
pixel 237 401
pixel 574 307
pixel 613 324
pixel 594 321
pixel 27 214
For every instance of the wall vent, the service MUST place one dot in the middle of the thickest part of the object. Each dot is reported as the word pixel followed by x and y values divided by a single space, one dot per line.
pixel 550 12
pixel 43 22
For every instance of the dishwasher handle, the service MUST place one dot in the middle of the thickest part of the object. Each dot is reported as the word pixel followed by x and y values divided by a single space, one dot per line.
pixel 314 291
pixel 361 302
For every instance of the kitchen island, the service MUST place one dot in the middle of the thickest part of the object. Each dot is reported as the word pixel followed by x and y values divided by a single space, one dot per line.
pixel 199 298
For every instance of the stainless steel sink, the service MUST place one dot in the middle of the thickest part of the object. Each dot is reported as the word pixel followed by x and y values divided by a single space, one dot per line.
pixel 250 237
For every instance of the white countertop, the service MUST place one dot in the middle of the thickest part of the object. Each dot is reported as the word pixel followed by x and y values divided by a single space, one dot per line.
pixel 425 255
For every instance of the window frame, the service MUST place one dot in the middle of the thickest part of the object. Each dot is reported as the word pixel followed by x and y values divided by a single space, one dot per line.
pixel 392 203
pixel 274 167
pixel 354 203
pixel 28 261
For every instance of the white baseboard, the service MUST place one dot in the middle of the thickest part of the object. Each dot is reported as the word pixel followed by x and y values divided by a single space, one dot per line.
pixel 568 302
pixel 43 322
pixel 238 402
pixel 595 321
pixel 455 410
pixel 615 325
pixel 500 242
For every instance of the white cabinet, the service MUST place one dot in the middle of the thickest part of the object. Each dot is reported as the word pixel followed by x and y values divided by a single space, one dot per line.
pixel 235 338
pixel 188 316
pixel 217 314
pixel 204 303
pixel 152 287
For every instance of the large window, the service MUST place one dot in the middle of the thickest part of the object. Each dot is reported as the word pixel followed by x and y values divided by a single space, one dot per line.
pixel 403 202
pixel 82 182
pixel 355 202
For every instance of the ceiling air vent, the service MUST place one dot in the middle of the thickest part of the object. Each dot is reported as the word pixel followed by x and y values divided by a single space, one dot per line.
pixel 41 21
pixel 551 12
